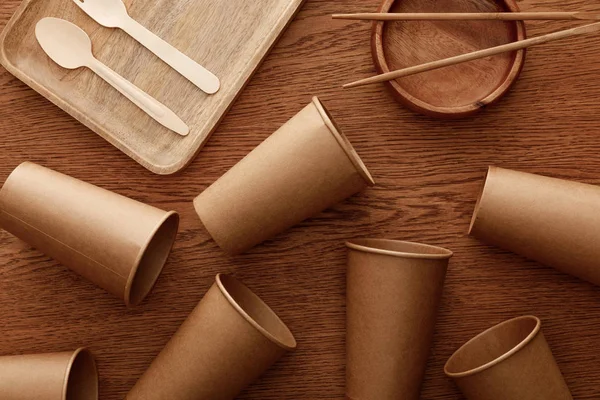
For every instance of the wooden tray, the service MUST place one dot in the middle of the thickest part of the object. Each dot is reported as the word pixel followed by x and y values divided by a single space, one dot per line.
pixel 456 91
pixel 229 37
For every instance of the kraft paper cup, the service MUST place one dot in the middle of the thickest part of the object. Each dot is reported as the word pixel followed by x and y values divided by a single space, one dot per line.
pixel 226 343
pixel 305 167
pixel 58 376
pixel 510 361
pixel 552 221
pixel 118 243
pixel 393 292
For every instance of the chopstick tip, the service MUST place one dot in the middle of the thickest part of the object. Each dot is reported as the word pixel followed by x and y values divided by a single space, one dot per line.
pixel 361 82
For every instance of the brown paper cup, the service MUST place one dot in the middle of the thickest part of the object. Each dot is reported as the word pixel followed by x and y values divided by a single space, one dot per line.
pixel 115 242
pixel 393 292
pixel 552 221
pixel 226 343
pixel 510 361
pixel 302 169
pixel 58 376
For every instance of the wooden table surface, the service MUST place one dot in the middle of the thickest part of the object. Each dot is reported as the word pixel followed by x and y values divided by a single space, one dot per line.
pixel 428 173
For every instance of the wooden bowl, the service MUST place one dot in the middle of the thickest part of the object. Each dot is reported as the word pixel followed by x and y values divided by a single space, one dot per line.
pixel 459 90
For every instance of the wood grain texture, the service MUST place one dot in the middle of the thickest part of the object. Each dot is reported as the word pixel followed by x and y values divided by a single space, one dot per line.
pixel 229 38
pixel 428 175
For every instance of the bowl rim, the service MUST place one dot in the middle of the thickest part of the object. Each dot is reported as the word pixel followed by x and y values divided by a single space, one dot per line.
pixel 423 107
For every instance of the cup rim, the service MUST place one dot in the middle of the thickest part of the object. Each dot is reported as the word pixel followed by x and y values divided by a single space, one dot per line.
pixel 482 193
pixel 279 341
pixel 528 339
pixel 80 352
pixel 343 142
pixel 367 245
pixel 171 216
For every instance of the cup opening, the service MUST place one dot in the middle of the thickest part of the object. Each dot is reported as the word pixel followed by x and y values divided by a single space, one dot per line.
pixel 82 377
pixel 480 198
pixel 344 142
pixel 256 312
pixel 152 260
pixel 399 248
pixel 492 346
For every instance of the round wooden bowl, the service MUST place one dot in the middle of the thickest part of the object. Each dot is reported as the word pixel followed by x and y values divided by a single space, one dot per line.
pixel 459 90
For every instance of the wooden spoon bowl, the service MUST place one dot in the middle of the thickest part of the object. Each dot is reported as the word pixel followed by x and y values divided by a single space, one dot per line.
pixel 459 90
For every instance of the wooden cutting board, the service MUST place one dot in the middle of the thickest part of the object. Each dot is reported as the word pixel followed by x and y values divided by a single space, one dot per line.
pixel 229 37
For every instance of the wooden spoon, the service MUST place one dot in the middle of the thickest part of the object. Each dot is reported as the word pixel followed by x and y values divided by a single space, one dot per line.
pixel 113 14
pixel 70 47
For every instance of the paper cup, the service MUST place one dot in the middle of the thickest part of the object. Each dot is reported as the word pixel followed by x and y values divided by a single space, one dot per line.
pixel 510 361
pixel 302 169
pixel 393 292
pixel 58 376
pixel 553 221
pixel 226 343
pixel 118 243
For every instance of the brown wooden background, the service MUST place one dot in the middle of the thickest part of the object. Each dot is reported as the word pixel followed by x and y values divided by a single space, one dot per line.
pixel 428 175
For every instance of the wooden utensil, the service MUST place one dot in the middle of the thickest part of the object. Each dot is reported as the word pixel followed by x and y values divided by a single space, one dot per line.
pixel 522 44
pixel 501 16
pixel 70 47
pixel 113 14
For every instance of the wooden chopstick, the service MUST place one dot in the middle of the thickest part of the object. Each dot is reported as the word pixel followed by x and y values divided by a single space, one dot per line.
pixel 503 16
pixel 521 44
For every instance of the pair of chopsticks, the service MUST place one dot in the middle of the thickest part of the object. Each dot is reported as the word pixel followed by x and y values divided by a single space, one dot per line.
pixel 509 16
